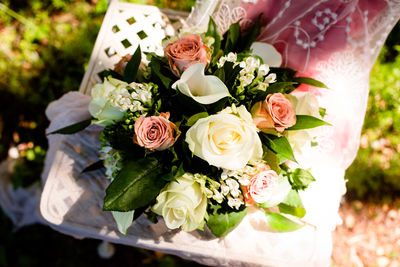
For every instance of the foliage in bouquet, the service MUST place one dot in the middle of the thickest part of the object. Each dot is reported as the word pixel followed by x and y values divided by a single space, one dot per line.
pixel 200 134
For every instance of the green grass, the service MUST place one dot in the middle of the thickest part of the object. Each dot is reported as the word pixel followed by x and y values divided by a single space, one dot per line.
pixel 375 173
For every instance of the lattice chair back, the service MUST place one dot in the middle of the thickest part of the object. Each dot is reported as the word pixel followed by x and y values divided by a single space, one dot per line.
pixel 126 26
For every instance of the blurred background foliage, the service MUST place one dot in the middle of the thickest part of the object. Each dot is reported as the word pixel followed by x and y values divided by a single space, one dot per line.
pixel 375 173
pixel 45 46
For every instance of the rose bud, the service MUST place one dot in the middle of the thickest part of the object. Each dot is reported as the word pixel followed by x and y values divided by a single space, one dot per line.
pixel 155 132
pixel 276 111
pixel 185 52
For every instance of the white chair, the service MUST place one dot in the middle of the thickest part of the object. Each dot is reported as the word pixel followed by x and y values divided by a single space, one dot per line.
pixel 72 202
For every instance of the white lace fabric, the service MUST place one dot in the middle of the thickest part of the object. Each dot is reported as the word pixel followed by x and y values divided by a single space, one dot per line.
pixel 335 41
pixel 72 202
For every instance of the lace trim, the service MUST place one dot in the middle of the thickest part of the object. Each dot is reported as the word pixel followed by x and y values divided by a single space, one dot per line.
pixel 226 16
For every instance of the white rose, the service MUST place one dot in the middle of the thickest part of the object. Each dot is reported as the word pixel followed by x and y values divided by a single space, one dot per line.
pixel 182 203
pixel 225 140
pixel 101 106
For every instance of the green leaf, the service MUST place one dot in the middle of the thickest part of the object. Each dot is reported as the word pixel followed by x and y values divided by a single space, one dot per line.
pixel 279 145
pixel 293 199
pixel 137 184
pixel 213 32
pixel 157 74
pixel 301 179
pixel 123 220
pixel 306 122
pixel 178 171
pixel 253 34
pixel 283 74
pixel 74 128
pixel 187 105
pixel 217 106
pixel 221 224
pixel 292 205
pixel 231 73
pixel 295 211
pixel 106 73
pixel 220 73
pixel 169 177
pixel 282 223
pixel 309 81
pixel 234 33
pixel 271 159
pixel 139 212
pixel 322 112
pixel 95 166
pixel 132 67
pixel 193 119
pixel 281 87
pixel 151 216
pixel 232 37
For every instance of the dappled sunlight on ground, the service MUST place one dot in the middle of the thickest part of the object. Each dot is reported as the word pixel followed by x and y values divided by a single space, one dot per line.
pixel 369 235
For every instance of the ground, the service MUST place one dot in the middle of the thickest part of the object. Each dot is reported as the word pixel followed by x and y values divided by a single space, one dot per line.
pixel 369 235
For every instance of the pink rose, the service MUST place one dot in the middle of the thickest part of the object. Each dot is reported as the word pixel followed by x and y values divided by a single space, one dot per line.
pixel 185 52
pixel 155 132
pixel 261 187
pixel 276 111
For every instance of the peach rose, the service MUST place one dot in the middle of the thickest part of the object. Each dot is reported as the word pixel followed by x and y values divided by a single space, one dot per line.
pixel 155 132
pixel 276 111
pixel 261 187
pixel 185 52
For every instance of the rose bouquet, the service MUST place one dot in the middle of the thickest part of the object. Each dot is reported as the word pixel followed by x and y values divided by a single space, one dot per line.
pixel 198 135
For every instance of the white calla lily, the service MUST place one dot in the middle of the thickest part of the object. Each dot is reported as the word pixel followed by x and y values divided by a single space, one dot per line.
pixel 268 53
pixel 205 89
